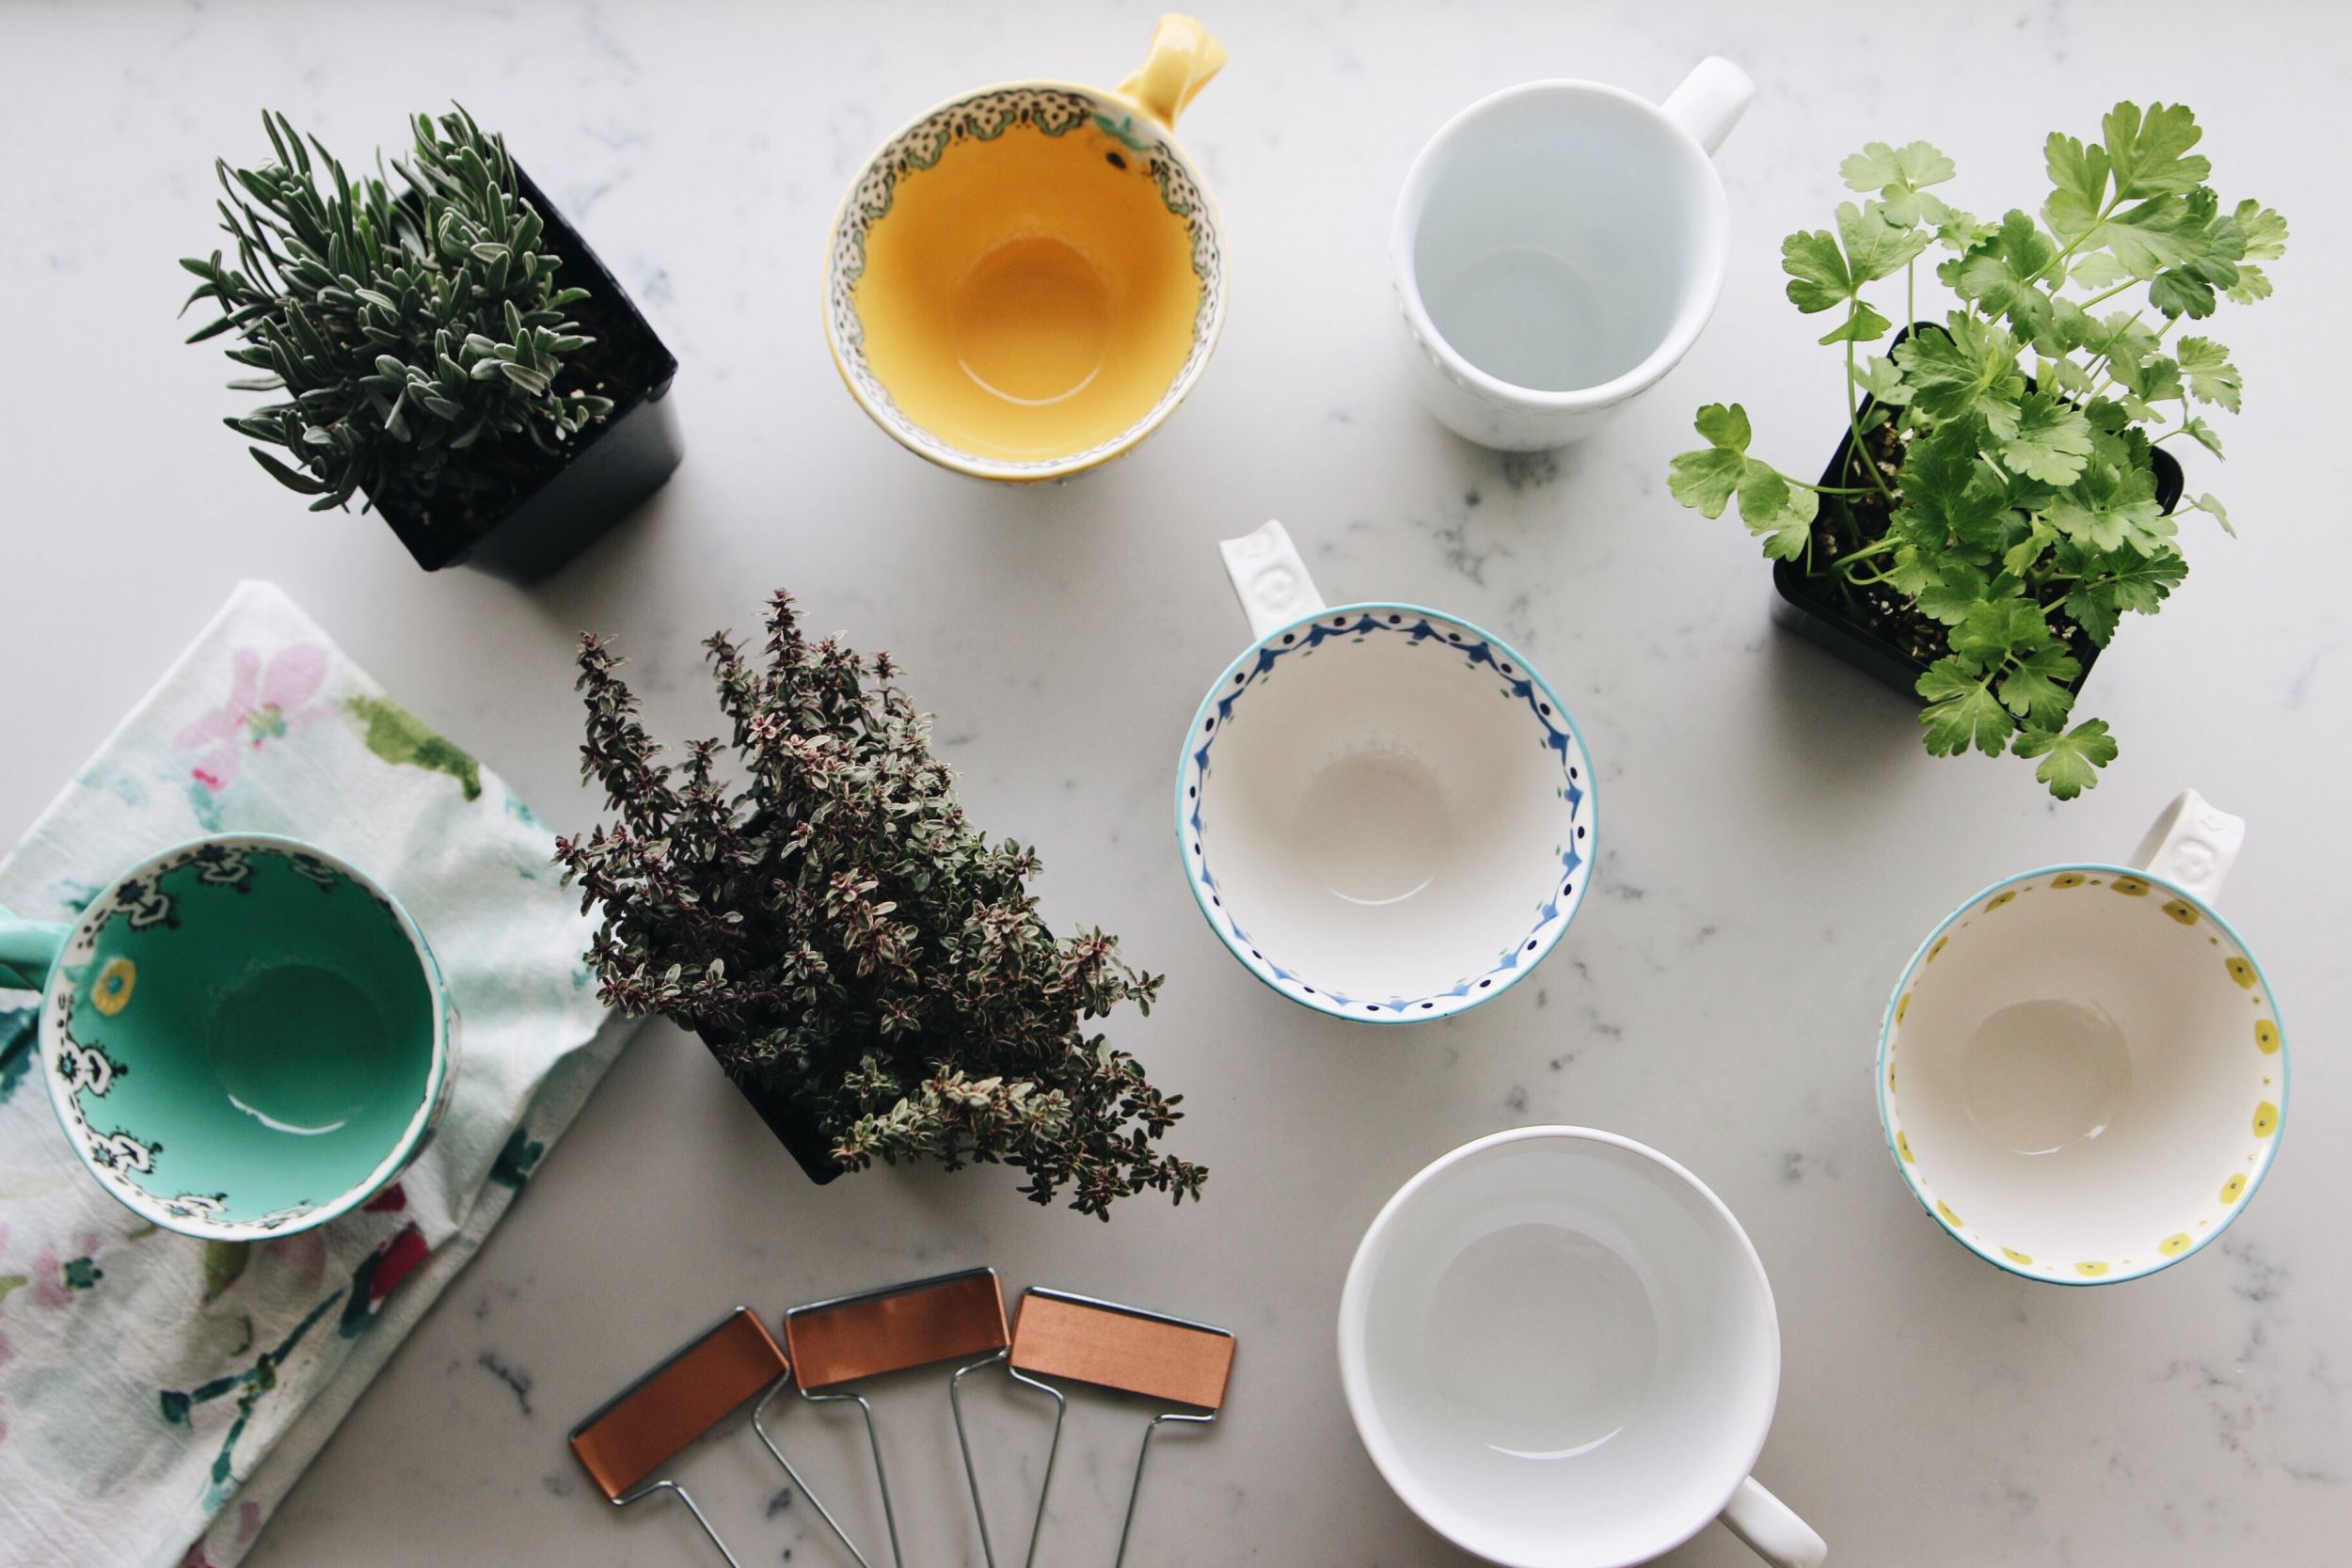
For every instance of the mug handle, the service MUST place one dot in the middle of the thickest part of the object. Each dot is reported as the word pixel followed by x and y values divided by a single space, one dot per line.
pixel 28 949
pixel 1771 1530
pixel 1184 56
pixel 2192 845
pixel 1269 578
pixel 1710 101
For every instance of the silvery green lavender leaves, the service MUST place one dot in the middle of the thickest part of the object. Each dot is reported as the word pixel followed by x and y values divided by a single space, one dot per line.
pixel 2020 498
pixel 418 339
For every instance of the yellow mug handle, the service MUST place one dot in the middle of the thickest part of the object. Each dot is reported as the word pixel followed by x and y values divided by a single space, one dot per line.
pixel 1184 56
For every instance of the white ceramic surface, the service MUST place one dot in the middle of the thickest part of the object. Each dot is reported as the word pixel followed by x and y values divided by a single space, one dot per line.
pixel 1384 812
pixel 2083 1072
pixel 1561 1351
pixel 1557 249
pixel 1776 840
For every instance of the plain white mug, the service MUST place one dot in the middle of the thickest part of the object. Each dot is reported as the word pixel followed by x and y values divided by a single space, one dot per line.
pixel 1561 1351
pixel 1558 248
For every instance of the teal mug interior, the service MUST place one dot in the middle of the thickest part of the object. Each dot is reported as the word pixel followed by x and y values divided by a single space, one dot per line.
pixel 244 1036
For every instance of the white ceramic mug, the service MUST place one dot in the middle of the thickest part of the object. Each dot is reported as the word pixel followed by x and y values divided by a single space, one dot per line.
pixel 1561 1351
pixel 2082 1071
pixel 1384 811
pixel 1557 249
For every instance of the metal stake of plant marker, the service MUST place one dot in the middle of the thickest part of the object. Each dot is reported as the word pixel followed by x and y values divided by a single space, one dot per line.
pixel 642 1428
pixel 1123 1348
pixel 893 1329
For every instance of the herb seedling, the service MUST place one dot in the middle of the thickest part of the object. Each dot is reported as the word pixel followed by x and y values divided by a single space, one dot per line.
pixel 839 933
pixel 2012 516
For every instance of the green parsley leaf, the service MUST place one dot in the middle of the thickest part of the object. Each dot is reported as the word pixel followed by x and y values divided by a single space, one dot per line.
pixel 1779 512
pixel 2265 234
pixel 2051 439
pixel 1972 368
pixel 1961 712
pixel 1899 175
pixel 2148 154
pixel 2078 177
pixel 2203 435
pixel 2035 688
pixel 1706 479
pixel 1958 588
pixel 2211 376
pixel 1995 630
pixel 2003 273
pixel 2211 504
pixel 1879 377
pixel 1877 246
pixel 1817 278
pixel 2070 762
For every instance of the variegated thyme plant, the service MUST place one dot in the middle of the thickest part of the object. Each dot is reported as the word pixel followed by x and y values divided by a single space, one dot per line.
pixel 839 933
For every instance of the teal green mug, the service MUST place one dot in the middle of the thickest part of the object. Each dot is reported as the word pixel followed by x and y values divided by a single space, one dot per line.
pixel 244 1036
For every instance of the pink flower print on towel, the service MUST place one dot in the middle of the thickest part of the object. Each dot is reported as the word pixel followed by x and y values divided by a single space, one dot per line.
pixel 264 704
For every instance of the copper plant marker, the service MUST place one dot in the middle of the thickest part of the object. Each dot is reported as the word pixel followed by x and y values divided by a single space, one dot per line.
pixel 643 1426
pixel 894 1329
pixel 1081 1339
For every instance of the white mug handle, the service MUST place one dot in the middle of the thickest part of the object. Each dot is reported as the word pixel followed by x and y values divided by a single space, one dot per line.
pixel 2192 845
pixel 1710 101
pixel 1771 1530
pixel 1269 578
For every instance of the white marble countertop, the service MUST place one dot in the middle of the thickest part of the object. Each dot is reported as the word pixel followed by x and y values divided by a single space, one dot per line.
pixel 1776 840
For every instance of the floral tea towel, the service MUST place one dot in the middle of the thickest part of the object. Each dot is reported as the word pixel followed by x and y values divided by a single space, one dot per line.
pixel 159 1394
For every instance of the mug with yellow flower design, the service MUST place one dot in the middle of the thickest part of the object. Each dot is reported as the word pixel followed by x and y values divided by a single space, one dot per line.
pixel 2082 1072
pixel 243 1037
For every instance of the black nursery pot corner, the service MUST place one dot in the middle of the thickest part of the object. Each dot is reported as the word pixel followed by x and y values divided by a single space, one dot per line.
pixel 615 465
pixel 794 1127
pixel 1883 659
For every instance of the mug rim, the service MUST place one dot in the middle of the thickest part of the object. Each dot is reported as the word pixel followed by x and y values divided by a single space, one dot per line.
pixel 1404 275
pixel 2286 1071
pixel 420 1122
pixel 1318 1001
pixel 1355 1307
pixel 955 458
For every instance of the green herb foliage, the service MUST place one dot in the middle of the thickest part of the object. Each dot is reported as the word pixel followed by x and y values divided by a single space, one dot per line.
pixel 416 340
pixel 2010 511
pixel 843 935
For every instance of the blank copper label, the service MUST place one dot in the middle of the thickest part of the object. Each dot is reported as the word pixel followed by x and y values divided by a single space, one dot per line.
pixel 637 1433
pixel 1112 1349
pixel 963 1315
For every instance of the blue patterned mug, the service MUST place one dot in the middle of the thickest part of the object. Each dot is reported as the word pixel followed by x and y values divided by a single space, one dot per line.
pixel 243 1037
pixel 1384 811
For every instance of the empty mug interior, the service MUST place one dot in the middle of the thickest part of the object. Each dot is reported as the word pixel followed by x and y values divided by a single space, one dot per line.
pixel 1387 811
pixel 249 1034
pixel 1561 234
pixel 1570 1355
pixel 1027 272
pixel 2084 1073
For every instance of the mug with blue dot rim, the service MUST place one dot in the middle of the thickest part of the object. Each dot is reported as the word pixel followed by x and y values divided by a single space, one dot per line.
pixel 1383 811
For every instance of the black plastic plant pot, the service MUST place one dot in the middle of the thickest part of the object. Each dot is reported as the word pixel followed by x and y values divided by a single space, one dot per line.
pixel 794 1127
pixel 1821 622
pixel 613 466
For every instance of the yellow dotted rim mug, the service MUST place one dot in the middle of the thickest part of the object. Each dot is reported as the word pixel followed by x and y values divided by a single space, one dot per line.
pixel 1026 280
pixel 2082 1072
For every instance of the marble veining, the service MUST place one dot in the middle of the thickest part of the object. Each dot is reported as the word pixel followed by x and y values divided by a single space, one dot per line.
pixel 1777 841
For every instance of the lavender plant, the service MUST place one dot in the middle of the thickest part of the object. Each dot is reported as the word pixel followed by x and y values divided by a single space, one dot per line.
pixel 418 340
pixel 839 933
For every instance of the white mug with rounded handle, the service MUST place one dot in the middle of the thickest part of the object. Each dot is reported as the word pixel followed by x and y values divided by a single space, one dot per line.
pixel 1561 1351
pixel 1557 249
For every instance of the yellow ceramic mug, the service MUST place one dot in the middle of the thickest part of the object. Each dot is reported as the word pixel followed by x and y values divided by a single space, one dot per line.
pixel 1026 280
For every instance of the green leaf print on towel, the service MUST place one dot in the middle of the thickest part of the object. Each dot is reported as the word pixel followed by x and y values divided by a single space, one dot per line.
pixel 17 1033
pixel 402 740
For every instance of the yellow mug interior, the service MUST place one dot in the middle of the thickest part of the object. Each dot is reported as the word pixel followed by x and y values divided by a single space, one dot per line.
pixel 1035 281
